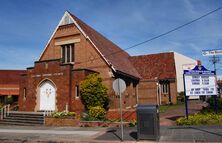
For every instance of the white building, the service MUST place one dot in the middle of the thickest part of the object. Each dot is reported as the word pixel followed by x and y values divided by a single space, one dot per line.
pixel 182 63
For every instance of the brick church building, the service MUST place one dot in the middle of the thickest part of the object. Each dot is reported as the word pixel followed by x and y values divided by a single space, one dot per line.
pixel 74 51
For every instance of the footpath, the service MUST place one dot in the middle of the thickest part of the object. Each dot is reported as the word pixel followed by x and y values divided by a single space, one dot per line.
pixel 21 134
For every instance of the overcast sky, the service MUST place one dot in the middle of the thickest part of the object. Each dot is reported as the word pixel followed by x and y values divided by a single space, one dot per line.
pixel 26 26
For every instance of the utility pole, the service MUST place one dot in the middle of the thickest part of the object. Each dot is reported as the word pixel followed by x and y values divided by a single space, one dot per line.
pixel 214 60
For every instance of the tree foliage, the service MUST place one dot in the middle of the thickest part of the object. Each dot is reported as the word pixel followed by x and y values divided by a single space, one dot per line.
pixel 93 92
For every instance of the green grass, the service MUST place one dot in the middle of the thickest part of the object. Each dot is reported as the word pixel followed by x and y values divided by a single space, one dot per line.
pixel 164 108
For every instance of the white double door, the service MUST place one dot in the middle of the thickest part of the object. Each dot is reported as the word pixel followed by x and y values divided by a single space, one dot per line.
pixel 47 96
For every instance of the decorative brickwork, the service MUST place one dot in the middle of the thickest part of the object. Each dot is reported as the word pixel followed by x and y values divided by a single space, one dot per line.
pixel 61 122
pixel 128 115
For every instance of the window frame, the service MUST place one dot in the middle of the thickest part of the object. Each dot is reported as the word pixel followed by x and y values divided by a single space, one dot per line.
pixel 24 93
pixel 165 88
pixel 68 53
pixel 77 92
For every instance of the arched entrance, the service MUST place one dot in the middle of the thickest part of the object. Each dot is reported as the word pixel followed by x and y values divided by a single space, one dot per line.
pixel 47 96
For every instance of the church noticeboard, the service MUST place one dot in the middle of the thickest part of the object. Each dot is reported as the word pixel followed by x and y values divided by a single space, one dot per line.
pixel 200 81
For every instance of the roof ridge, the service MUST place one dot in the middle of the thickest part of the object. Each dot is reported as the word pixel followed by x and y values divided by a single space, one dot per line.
pixel 116 56
pixel 76 18
pixel 153 54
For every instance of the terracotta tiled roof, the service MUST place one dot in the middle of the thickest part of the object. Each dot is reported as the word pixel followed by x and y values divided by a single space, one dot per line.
pixel 160 65
pixel 10 76
pixel 114 54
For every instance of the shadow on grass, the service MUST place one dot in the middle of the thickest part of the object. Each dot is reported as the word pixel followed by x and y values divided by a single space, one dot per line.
pixel 174 118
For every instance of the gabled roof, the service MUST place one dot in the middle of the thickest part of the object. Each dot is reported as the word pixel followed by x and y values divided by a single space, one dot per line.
pixel 110 52
pixel 10 76
pixel 161 66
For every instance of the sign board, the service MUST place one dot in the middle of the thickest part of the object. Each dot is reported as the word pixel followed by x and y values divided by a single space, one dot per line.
pixel 200 81
pixel 188 66
pixel 211 52
pixel 119 86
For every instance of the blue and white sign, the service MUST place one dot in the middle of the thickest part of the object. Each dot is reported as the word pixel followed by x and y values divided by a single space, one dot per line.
pixel 200 81
pixel 212 52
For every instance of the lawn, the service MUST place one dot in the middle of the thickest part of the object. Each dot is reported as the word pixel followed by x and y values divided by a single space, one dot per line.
pixel 164 108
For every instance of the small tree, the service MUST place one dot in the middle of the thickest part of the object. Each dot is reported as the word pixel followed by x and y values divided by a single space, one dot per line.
pixel 93 92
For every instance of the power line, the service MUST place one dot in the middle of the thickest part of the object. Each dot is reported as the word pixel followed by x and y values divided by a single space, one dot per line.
pixel 163 34
pixel 175 29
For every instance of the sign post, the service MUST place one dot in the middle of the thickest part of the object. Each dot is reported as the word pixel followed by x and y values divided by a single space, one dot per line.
pixel 199 82
pixel 186 105
pixel 119 86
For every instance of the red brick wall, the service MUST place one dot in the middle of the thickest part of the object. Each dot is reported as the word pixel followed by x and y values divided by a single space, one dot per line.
pixel 128 115
pixel 148 93
pixel 65 80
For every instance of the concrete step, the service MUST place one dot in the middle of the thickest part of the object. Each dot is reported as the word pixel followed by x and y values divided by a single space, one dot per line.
pixel 23 121
pixel 23 118
pixel 3 122
pixel 26 113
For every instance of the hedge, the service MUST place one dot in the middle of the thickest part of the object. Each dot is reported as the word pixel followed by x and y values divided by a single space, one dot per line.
pixel 200 119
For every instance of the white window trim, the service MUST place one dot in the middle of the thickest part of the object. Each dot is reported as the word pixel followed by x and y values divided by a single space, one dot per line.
pixel 73 41
pixel 24 93
pixel 77 92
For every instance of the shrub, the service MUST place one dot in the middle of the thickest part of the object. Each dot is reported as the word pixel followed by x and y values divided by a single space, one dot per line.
pixel 87 117
pixel 63 114
pixel 211 103
pixel 133 123
pixel 200 119
pixel 97 112
pixel 93 92
pixel 180 97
